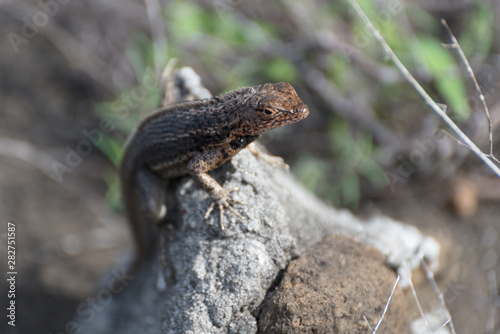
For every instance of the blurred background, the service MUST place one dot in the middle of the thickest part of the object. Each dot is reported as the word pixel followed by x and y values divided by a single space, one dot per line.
pixel 76 77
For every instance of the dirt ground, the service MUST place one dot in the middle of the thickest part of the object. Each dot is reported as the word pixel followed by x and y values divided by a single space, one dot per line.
pixel 469 255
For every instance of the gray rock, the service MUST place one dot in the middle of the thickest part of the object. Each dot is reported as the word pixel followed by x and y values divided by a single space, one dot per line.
pixel 213 281
pixel 209 280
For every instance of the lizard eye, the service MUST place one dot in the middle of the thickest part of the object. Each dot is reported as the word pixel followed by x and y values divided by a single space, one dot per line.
pixel 265 110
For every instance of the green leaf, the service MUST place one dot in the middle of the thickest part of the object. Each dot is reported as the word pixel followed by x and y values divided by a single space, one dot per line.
pixel 421 19
pixel 113 196
pixel 339 69
pixel 350 189
pixel 478 34
pixel 368 6
pixel 280 70
pixel 187 20
pixel 309 171
pixel 112 148
pixel 445 73
pixel 370 169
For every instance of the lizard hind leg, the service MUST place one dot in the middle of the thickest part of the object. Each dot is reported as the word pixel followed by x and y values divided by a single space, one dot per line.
pixel 152 195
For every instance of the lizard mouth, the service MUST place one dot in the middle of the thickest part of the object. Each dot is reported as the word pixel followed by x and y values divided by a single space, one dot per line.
pixel 289 116
pixel 303 111
pixel 299 113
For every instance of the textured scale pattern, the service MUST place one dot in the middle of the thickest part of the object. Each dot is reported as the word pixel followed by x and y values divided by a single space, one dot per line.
pixel 193 138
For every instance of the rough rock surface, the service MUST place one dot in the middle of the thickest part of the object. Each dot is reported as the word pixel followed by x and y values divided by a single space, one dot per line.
pixel 209 280
pixel 213 281
pixel 331 287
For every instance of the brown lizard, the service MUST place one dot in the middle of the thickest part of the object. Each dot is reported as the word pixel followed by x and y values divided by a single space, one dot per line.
pixel 193 138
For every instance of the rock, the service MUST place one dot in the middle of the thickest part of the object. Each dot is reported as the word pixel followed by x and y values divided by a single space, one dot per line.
pixel 331 287
pixel 207 280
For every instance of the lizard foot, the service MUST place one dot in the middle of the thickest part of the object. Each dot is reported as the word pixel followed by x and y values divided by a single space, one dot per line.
pixel 272 160
pixel 224 202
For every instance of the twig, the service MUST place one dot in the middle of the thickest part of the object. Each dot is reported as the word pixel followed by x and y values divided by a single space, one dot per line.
pixel 416 298
pixel 454 44
pixel 374 330
pixel 443 326
pixel 453 138
pixel 303 16
pixel 154 10
pixel 368 323
pixel 463 144
pixel 470 144
pixel 167 84
pixel 357 112
pixel 430 277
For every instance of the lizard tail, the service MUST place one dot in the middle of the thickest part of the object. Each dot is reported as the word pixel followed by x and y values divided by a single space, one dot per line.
pixel 135 195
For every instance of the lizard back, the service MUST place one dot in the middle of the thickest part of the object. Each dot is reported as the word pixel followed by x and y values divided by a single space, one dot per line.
pixel 170 137
pixel 195 138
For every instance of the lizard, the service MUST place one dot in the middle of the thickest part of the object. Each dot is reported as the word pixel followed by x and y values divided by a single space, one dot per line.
pixel 194 138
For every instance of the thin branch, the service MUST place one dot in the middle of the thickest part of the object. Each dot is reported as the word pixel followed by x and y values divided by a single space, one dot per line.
pixel 470 144
pixel 492 157
pixel 315 37
pixel 454 138
pixel 387 304
pixel 157 24
pixel 416 298
pixel 374 330
pixel 368 324
pixel 430 277
pixel 442 326
pixel 356 111
pixel 454 44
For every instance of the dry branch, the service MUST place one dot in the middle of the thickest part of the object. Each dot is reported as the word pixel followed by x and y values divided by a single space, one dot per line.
pixel 434 106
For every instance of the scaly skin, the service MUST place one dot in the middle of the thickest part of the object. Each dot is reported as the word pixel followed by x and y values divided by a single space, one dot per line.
pixel 193 138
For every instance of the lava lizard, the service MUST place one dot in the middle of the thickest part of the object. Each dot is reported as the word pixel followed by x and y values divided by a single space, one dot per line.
pixel 194 138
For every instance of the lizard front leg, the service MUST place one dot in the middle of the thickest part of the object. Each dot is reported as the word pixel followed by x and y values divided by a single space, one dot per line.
pixel 199 167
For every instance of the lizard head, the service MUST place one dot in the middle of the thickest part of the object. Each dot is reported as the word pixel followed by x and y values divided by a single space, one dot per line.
pixel 273 105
